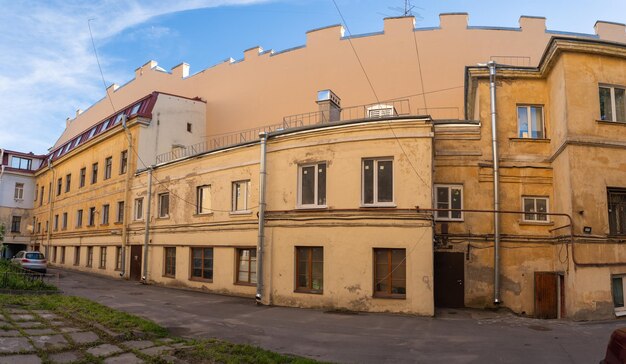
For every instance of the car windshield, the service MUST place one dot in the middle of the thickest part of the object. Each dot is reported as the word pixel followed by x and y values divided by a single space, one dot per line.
pixel 34 256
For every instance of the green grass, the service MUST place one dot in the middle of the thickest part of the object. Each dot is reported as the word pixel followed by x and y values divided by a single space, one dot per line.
pixel 13 277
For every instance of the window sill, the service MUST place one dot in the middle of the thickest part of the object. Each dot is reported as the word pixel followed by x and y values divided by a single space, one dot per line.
pixel 118 223
pixel 203 214
pixel 163 217
pixel 308 291
pixel 90 226
pixel 169 276
pixel 379 205
pixel 198 279
pixel 245 284
pixel 531 140
pixel 608 122
pixel 243 212
pixel 539 223
pixel 312 207
pixel 392 296
pixel 107 224
pixel 102 268
pixel 448 220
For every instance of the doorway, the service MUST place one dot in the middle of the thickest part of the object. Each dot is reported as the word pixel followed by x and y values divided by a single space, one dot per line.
pixel 449 279
pixel 135 263
pixel 549 295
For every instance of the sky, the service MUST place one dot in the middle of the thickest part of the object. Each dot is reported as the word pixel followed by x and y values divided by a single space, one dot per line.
pixel 48 68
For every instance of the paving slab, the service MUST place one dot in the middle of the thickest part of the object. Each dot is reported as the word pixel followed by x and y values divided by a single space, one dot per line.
pixel 23 317
pixel 9 333
pixel 156 350
pixel 66 357
pixel 58 323
pixel 21 359
pixel 70 329
pixel 29 324
pixel 14 344
pixel 84 337
pixel 104 350
pixel 139 344
pixel 128 358
pixel 172 359
pixel 49 316
pixel 50 342
pixel 17 310
pixel 46 331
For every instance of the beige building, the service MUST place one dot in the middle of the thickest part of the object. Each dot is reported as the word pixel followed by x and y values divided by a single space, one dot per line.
pixel 360 181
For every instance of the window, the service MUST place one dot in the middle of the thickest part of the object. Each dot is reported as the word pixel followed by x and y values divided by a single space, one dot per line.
pixel 312 185
pixel 108 166
pixel 120 211
pixel 36 190
pixel 189 127
pixel 202 263
pixel 203 205
pixel 64 221
pixel 19 191
pixel 123 161
pixel 103 257
pixel 612 104
pixel 139 208
pixel 54 254
pixel 617 288
pixel 118 258
pixel 617 211
pixel 16 222
pixel 62 259
pixel 530 122
pixel 41 196
pixel 377 182
pixel 68 183
pixel 46 226
pixel 49 191
pixel 21 163
pixel 56 222
pixel 38 227
pixel 83 174
pixel 89 256
pixel 105 214
pixel 164 205
pixel 535 204
pixel 240 196
pixel 390 273
pixel 170 262
pixel 246 266
pixel 77 255
pixel 79 218
pixel 449 197
pixel 310 269
pixel 92 132
pixel 94 173
pixel 59 186
pixel 92 216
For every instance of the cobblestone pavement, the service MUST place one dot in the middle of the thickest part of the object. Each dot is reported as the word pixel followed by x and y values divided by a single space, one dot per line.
pixel 36 336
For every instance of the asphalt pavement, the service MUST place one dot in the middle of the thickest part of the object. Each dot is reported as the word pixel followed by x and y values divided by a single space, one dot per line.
pixel 453 336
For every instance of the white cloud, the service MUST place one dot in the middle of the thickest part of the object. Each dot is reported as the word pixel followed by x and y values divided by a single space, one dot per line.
pixel 47 67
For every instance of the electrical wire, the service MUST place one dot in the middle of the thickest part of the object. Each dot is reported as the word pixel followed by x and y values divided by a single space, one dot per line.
pixel 106 89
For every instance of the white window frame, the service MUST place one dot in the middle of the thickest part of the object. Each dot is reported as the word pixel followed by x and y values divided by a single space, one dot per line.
pixel 528 107
pixel 234 208
pixel 18 194
pixel 375 203
pixel 199 206
pixel 316 186
pixel 535 198
pixel 160 198
pixel 619 311
pixel 613 102
pixel 449 186
pixel 138 209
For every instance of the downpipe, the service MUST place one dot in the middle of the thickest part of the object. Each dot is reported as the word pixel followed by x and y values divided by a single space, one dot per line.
pixel 146 237
pixel 126 196
pixel 261 240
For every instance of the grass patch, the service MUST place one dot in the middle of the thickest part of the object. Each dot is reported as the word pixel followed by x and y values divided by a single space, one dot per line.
pixel 14 277
pixel 217 351
pixel 86 311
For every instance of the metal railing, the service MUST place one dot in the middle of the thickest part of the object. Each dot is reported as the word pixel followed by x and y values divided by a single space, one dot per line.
pixel 517 61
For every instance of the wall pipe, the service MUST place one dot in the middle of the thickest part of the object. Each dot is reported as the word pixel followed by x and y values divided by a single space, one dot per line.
pixel 146 237
pixel 261 242
pixel 126 196
pixel 50 209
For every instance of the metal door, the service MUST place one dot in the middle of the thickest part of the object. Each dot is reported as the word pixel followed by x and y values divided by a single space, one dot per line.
pixel 135 262
pixel 449 279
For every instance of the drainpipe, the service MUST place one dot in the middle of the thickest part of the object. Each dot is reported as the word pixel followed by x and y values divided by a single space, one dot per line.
pixel 126 195
pixel 260 247
pixel 50 222
pixel 496 186
pixel 146 237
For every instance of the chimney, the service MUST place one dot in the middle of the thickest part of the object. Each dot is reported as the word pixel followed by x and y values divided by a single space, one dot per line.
pixel 610 31
pixel 112 87
pixel 68 121
pixel 181 70
pixel 78 112
pixel 455 21
pixel 329 106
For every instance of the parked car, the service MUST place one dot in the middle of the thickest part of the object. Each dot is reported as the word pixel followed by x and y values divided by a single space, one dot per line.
pixel 31 260
pixel 616 349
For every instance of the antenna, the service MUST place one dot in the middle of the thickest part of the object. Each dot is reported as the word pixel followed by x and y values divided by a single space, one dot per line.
pixel 406 10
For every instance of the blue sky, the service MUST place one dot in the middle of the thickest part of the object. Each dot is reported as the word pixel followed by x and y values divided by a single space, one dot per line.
pixel 48 70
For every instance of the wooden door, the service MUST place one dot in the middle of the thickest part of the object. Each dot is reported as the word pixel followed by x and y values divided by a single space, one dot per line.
pixel 546 295
pixel 135 262
pixel 449 279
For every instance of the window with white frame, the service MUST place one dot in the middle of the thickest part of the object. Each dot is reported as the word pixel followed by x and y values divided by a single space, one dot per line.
pixel 377 182
pixel 164 205
pixel 612 103
pixel 241 191
pixel 139 209
pixel 533 204
pixel 530 122
pixel 617 289
pixel 449 197
pixel 203 204
pixel 19 191
pixel 312 185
